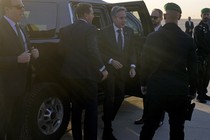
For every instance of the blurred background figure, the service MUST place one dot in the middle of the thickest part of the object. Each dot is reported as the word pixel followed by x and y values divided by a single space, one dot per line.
pixel 189 25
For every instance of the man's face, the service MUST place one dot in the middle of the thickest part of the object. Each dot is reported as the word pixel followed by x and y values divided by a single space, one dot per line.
pixel 156 18
pixel 89 17
pixel 120 19
pixel 205 17
pixel 15 11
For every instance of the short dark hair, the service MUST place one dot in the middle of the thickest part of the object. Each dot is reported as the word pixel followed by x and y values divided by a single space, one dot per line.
pixel 117 9
pixel 159 11
pixel 83 8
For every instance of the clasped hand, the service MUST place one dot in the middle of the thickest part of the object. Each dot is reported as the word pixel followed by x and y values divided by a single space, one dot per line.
pixel 25 57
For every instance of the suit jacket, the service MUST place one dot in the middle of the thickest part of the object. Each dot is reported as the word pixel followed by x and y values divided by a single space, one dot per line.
pixel 109 49
pixel 13 76
pixel 189 26
pixel 168 63
pixel 79 47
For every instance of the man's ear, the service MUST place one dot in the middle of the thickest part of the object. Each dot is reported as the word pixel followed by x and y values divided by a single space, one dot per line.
pixel 164 16
pixel 179 17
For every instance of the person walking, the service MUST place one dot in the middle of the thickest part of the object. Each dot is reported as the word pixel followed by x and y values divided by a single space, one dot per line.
pixel 16 55
pixel 202 41
pixel 157 17
pixel 189 26
pixel 82 70
pixel 119 55
pixel 168 66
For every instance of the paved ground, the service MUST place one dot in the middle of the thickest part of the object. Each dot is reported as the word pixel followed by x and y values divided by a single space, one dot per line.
pixel 124 129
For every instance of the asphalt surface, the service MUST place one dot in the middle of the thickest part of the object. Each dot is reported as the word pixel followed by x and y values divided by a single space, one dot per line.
pixel 125 129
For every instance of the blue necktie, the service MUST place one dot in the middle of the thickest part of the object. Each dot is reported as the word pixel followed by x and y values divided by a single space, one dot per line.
pixel 119 42
pixel 20 37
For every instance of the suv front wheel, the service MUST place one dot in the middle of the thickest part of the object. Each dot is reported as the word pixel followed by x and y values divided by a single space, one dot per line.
pixel 47 113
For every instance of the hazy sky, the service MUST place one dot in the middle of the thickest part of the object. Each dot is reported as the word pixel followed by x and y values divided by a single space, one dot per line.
pixel 189 7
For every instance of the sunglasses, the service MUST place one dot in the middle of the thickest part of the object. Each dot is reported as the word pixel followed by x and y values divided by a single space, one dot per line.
pixel 154 17
pixel 18 7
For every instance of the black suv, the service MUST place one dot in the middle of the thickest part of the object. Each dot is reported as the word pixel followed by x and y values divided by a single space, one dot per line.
pixel 47 107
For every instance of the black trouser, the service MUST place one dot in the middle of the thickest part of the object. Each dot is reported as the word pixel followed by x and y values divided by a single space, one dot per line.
pixel 175 105
pixel 203 76
pixel 114 96
pixel 145 110
pixel 11 117
pixel 83 94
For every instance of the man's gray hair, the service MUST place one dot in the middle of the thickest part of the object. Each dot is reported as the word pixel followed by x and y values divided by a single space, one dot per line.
pixel 117 9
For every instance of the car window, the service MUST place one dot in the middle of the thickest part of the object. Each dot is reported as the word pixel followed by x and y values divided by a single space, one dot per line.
pixel 134 24
pixel 39 22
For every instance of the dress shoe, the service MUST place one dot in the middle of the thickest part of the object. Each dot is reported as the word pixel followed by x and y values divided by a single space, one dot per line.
pixel 206 97
pixel 139 121
pixel 201 99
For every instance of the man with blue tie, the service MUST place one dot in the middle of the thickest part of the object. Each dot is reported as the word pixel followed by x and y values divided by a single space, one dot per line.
pixel 118 52
pixel 15 68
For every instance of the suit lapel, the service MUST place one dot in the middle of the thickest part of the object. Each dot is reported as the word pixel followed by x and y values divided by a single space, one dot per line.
pixel 112 36
pixel 11 33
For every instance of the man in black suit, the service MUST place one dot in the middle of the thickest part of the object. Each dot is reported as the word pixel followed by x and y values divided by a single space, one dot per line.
pixel 168 67
pixel 116 44
pixel 189 25
pixel 82 69
pixel 156 17
pixel 15 57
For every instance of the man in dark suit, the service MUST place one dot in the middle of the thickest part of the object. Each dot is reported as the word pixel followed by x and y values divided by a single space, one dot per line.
pixel 189 25
pixel 15 57
pixel 168 67
pixel 156 17
pixel 116 44
pixel 82 69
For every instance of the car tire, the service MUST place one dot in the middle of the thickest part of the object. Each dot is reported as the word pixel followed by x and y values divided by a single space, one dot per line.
pixel 46 113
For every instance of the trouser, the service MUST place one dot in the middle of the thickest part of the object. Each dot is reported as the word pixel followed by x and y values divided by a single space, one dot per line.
pixel 11 117
pixel 145 110
pixel 203 76
pixel 114 96
pixel 175 105
pixel 83 94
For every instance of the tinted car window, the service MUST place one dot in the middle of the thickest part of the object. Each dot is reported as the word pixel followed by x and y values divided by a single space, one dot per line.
pixel 136 26
pixel 40 23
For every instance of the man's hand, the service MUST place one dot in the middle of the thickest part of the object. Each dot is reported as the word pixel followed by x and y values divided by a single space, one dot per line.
pixel 117 65
pixel 132 72
pixel 105 74
pixel 34 52
pixel 143 90
pixel 25 57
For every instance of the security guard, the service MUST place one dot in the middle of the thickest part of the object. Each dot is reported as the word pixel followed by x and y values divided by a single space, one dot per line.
pixel 168 62
pixel 202 40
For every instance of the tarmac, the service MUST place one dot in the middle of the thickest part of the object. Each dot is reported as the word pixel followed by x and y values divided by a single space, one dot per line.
pixel 125 129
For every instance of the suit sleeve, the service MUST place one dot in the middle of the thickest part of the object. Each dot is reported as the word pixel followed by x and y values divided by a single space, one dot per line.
pixel 92 46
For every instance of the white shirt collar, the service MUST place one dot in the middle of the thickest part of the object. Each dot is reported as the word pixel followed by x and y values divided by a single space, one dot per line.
pixel 157 27
pixel 12 23
pixel 116 28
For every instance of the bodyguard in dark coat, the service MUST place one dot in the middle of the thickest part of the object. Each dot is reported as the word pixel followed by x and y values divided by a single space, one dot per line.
pixel 202 41
pixel 168 66
pixel 116 44
pixel 15 57
pixel 82 69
